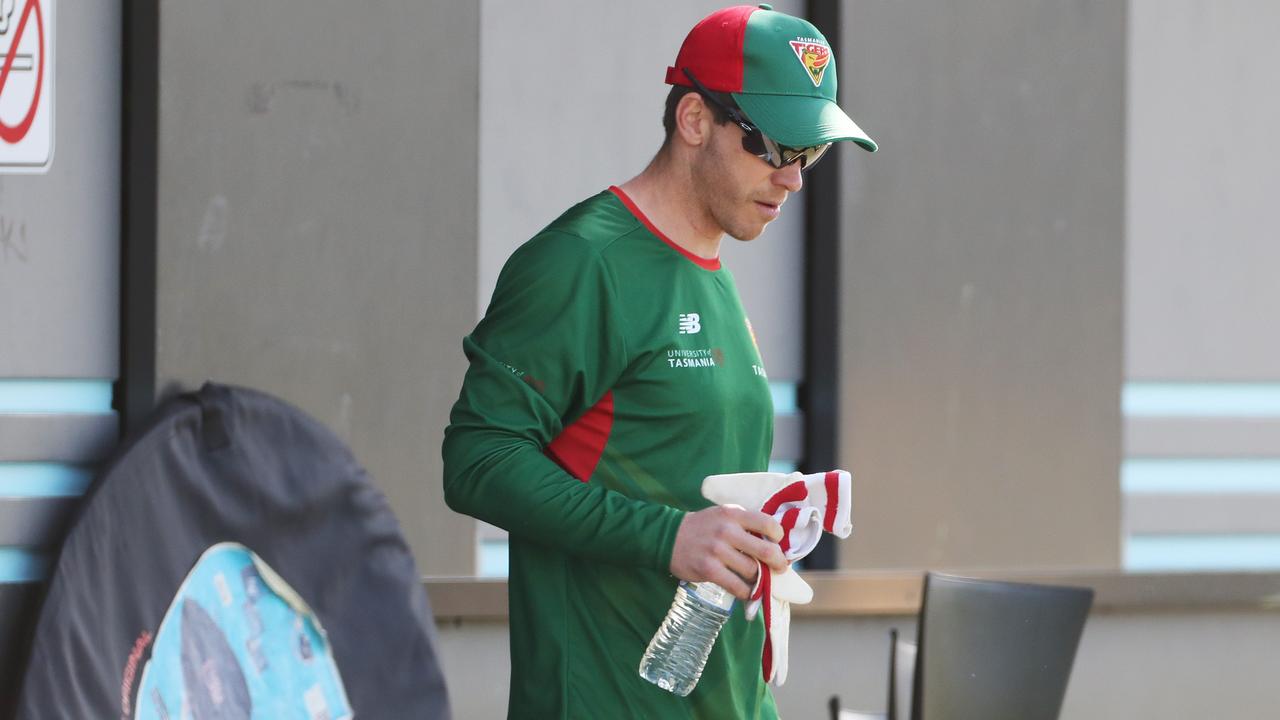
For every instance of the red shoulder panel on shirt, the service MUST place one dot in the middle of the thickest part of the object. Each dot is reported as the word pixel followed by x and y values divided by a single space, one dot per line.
pixel 579 446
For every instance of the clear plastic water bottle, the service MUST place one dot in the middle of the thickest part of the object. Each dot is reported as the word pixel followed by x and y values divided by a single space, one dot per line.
pixel 678 651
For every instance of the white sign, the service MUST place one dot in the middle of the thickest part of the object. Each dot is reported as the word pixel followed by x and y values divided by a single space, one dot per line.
pixel 26 85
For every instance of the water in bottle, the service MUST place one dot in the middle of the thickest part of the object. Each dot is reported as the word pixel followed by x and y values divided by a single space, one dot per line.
pixel 678 651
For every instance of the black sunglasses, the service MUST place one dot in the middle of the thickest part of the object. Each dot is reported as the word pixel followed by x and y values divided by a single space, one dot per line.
pixel 756 142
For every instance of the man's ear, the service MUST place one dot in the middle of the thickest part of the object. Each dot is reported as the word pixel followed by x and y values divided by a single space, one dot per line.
pixel 693 119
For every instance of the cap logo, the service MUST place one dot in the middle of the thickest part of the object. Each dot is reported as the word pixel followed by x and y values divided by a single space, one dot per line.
pixel 813 55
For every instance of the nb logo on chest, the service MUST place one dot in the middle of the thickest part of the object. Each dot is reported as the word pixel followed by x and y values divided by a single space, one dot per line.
pixel 690 324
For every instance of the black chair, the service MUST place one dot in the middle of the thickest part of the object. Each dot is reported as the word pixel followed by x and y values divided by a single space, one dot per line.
pixel 988 650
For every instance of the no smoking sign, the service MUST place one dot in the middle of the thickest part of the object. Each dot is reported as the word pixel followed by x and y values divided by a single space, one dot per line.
pixel 26 85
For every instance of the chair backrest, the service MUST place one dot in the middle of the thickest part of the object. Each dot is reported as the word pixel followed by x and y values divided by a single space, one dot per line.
pixel 995 650
pixel 902 670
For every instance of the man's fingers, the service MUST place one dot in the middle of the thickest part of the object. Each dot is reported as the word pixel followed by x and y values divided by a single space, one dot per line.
pixel 761 524
pixel 769 554
pixel 766 551
pixel 731 582
pixel 743 565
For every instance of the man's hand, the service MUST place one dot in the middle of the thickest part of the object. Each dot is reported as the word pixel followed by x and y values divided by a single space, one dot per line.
pixel 717 545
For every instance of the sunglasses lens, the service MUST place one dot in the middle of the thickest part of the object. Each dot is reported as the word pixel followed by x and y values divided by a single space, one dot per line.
pixel 811 155
pixel 805 156
pixel 757 144
pixel 780 156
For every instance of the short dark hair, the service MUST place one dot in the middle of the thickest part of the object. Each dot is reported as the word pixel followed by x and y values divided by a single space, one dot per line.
pixel 673 100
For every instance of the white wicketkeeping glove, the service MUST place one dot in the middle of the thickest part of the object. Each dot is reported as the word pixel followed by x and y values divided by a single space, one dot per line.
pixel 805 506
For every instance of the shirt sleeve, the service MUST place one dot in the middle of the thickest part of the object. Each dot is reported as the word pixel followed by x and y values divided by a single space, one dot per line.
pixel 549 347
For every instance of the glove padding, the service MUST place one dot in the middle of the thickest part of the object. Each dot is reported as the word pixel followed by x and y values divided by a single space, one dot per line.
pixel 805 505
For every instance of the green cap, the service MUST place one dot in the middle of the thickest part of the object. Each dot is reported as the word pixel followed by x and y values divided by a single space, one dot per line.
pixel 778 68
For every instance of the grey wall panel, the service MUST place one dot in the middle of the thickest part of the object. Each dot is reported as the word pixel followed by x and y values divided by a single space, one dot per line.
pixel 57 438
pixel 1204 169
pixel 567 110
pixel 1176 664
pixel 59 232
pixel 317 224
pixel 1220 514
pixel 788 437
pixel 982 279
pixel 59 292
pixel 35 522
pixel 1202 437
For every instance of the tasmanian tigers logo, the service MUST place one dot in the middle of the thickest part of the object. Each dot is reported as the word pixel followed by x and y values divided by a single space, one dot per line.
pixel 814 56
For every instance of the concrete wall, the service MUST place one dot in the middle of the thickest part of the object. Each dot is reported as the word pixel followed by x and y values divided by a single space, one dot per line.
pixel 983 275
pixel 59 306
pixel 1204 168
pixel 60 229
pixel 317 224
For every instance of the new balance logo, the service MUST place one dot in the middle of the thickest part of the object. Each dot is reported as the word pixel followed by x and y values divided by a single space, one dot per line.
pixel 690 324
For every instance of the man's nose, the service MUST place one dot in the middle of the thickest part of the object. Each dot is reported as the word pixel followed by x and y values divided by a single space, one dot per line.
pixel 788 177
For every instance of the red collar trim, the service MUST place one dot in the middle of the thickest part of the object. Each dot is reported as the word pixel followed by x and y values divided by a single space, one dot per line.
pixel 704 263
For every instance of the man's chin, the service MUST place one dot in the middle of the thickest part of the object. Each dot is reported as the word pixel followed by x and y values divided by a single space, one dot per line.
pixel 747 234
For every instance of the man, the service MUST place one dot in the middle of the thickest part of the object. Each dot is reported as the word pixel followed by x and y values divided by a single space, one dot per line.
pixel 615 368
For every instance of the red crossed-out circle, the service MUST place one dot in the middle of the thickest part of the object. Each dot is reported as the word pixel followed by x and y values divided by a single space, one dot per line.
pixel 13 133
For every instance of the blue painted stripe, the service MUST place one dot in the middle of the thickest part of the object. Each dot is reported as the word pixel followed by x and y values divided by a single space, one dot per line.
pixel 19 565
pixel 494 558
pixel 33 479
pixel 784 397
pixel 1200 475
pixel 781 466
pixel 1202 400
pixel 1151 553
pixel 55 396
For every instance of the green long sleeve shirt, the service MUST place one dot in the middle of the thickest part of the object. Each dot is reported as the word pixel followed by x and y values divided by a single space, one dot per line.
pixel 610 374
